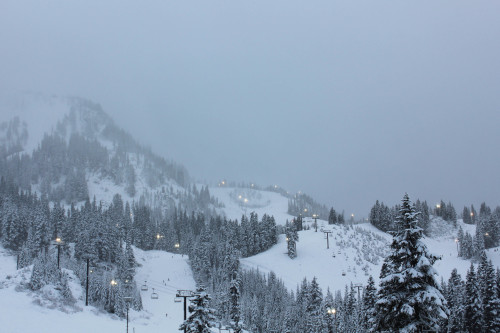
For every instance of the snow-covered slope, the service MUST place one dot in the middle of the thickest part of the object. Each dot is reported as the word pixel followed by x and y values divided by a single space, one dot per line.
pixel 25 311
pixel 242 201
pixel 37 113
pixel 355 253
pixel 27 118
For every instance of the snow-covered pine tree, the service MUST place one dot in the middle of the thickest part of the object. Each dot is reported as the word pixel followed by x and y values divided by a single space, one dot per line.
pixel 491 304
pixel 313 307
pixel 235 309
pixel 201 317
pixel 473 307
pixel 369 300
pixel 44 272
pixel 409 297
pixel 455 302
pixel 292 237
pixel 328 317
pixel 466 215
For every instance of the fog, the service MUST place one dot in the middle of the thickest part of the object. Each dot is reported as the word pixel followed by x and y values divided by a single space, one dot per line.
pixel 348 101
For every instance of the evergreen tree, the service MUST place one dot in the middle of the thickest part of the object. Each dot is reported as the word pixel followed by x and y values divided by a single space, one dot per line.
pixel 454 297
pixel 292 238
pixel 473 306
pixel 491 303
pixel 466 215
pixel 409 295
pixel 313 307
pixel 201 317
pixel 235 311
pixel 332 217
pixel 369 300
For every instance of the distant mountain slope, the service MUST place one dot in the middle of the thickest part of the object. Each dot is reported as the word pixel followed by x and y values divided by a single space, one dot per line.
pixel 68 148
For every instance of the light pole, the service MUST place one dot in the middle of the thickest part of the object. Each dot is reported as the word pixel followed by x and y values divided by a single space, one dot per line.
pixel 87 284
pixel 315 217
pixel 58 242
pixel 127 300
pixel 333 312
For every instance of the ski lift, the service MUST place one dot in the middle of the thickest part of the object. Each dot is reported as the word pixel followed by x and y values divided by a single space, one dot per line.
pixel 343 273
pixel 154 295
pixel 177 300
pixel 144 287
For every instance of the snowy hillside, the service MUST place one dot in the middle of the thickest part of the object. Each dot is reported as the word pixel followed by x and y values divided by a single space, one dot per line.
pixel 26 311
pixel 242 201
pixel 72 140
pixel 354 253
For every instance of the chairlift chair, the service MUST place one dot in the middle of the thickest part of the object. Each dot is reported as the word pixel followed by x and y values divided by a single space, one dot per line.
pixel 177 300
pixel 144 287
pixel 154 295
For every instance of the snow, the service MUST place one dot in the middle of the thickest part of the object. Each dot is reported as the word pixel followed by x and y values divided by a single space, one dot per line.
pixel 261 202
pixel 21 312
pixel 40 112
pixel 335 267
pixel 314 260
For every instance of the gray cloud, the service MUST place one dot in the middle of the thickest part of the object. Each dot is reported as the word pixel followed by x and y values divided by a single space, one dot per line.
pixel 348 101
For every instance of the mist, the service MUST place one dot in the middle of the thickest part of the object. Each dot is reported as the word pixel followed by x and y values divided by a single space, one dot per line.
pixel 349 102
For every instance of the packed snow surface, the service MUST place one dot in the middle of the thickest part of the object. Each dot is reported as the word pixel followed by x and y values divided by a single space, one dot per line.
pixel 25 311
pixel 242 201
pixel 354 253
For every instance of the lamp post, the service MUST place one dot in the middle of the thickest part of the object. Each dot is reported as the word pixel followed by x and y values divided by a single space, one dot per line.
pixel 127 300
pixel 87 257
pixel 333 312
pixel 315 217
pixel 58 242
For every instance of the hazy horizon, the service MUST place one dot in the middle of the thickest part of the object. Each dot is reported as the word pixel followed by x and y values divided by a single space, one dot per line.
pixel 348 102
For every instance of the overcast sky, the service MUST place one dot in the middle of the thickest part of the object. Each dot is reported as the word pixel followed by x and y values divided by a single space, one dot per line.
pixel 349 101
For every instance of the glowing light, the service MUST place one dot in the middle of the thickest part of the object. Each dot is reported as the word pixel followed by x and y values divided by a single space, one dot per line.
pixel 239 196
pixel 331 311
pixel 456 240
pixel 438 206
pixel 246 200
pixel 58 240
pixel 114 283
pixel 177 245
